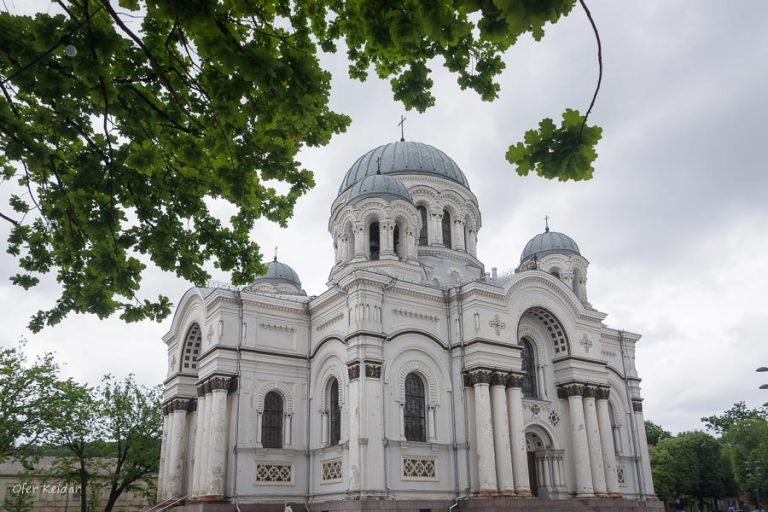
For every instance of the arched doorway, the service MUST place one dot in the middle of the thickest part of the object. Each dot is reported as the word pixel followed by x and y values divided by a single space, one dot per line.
pixel 545 464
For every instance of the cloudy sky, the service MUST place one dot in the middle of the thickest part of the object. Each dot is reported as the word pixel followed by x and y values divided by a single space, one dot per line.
pixel 674 223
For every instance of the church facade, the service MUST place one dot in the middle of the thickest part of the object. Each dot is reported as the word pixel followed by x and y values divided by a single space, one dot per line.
pixel 416 375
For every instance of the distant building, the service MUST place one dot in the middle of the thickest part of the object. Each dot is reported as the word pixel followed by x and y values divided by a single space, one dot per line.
pixel 416 376
pixel 44 493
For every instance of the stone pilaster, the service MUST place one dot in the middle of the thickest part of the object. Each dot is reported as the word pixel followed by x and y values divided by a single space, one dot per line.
pixel 163 471
pixel 178 413
pixel 355 459
pixel 371 428
pixel 606 438
pixel 486 458
pixel 197 473
pixel 580 455
pixel 517 435
pixel 502 450
pixel 637 407
pixel 217 442
pixel 205 438
pixel 593 441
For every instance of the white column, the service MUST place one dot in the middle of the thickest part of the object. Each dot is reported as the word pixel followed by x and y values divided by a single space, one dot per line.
pixel 360 241
pixel 163 470
pixel 431 423
pixel 324 424
pixel 606 438
pixel 546 466
pixel 502 449
pixel 436 227
pixel 217 459
pixel 580 455
pixel 517 435
pixel 458 235
pixel 637 407
pixel 205 442
pixel 593 441
pixel 486 459
pixel 199 438
pixel 176 452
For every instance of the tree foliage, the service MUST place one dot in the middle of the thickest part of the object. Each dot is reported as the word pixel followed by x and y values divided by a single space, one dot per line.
pixel 29 401
pixel 168 107
pixel 655 433
pixel 691 464
pixel 720 424
pixel 113 437
pixel 746 443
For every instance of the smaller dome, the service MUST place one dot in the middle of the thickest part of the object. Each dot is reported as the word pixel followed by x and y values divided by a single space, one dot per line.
pixel 549 242
pixel 278 272
pixel 378 185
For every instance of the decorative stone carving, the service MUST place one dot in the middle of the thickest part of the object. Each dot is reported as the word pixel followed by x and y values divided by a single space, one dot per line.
pixel 467 380
pixel 637 405
pixel 498 379
pixel 603 393
pixel 586 343
pixel 497 324
pixel 514 380
pixel 331 471
pixel 419 468
pixel 372 370
pixel 274 473
pixel 481 377
pixel 554 418
pixel 588 392
pixel 573 390
pixel 353 370
pixel 219 382
pixel 415 314
pixel 561 394
pixel 177 404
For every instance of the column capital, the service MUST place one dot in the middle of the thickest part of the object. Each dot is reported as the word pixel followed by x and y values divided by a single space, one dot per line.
pixel 637 404
pixel 514 380
pixel 220 383
pixel 588 391
pixel 480 377
pixel 353 370
pixel 498 379
pixel 603 393
pixel 177 404
pixel 373 369
pixel 572 390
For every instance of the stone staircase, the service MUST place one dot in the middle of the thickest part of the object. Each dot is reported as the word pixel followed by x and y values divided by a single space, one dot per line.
pixel 495 504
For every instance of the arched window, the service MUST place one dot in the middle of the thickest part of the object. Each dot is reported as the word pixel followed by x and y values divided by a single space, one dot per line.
pixel 272 421
pixel 373 240
pixel 423 233
pixel 555 272
pixel 447 229
pixel 191 349
pixel 334 418
pixel 529 369
pixel 415 409
pixel 396 240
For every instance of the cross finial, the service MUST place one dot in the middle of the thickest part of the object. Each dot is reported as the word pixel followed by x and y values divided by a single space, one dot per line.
pixel 546 223
pixel 402 130
pixel 275 254
pixel 378 165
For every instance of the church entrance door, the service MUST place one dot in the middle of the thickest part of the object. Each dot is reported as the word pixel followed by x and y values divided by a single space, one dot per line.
pixel 532 473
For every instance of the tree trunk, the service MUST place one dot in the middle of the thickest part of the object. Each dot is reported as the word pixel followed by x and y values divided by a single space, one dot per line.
pixel 83 487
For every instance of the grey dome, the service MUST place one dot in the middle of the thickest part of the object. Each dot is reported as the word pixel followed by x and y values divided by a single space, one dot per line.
pixel 549 242
pixel 278 272
pixel 404 157
pixel 378 185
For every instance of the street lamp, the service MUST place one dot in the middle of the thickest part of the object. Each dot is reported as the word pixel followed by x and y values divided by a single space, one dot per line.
pixel 763 386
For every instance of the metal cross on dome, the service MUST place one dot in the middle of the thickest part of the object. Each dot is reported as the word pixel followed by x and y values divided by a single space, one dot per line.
pixel 402 131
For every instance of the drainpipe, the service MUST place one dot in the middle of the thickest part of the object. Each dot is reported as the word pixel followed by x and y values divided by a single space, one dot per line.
pixel 309 412
pixel 235 449
pixel 385 440
pixel 460 305
pixel 632 424
pixel 447 300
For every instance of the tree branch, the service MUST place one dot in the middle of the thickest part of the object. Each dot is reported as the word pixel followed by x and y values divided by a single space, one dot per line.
pixel 14 222
pixel 600 66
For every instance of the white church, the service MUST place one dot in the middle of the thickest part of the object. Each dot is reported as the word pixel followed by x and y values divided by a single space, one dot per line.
pixel 416 380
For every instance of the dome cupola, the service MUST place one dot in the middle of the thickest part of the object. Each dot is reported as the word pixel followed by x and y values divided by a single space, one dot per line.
pixel 404 157
pixel 279 278
pixel 378 185
pixel 549 242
